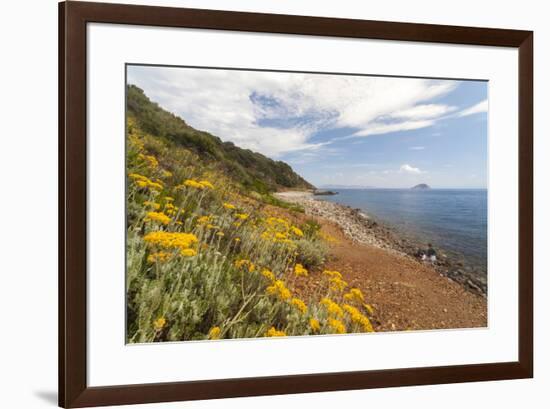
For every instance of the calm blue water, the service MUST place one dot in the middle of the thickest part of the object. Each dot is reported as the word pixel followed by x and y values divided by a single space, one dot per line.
pixel 453 220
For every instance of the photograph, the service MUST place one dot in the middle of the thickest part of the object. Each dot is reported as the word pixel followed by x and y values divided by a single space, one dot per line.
pixel 280 203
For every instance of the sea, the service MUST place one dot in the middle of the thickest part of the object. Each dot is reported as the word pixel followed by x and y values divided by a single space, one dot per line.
pixel 454 221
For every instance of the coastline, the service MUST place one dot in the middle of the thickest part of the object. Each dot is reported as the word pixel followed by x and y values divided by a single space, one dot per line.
pixel 360 228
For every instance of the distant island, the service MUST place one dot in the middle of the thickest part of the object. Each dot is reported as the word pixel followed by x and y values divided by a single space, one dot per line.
pixel 421 186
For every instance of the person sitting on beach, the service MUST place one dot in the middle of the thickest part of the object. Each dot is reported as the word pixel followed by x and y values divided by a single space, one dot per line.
pixel 421 254
pixel 431 253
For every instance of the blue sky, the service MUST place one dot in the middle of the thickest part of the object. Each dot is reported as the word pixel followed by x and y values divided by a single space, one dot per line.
pixel 337 129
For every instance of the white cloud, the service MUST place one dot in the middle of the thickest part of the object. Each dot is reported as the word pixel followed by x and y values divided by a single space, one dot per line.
pixel 483 106
pixel 410 169
pixel 382 128
pixel 275 113
pixel 417 148
pixel 427 111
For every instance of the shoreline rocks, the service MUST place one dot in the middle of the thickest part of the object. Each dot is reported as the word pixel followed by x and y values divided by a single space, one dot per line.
pixel 362 229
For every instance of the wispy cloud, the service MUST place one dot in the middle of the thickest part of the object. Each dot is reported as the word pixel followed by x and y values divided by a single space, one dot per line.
pixel 480 107
pixel 277 113
pixel 417 148
pixel 424 112
pixel 382 128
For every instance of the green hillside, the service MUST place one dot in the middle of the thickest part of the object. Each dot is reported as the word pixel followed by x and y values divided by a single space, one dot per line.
pixel 252 170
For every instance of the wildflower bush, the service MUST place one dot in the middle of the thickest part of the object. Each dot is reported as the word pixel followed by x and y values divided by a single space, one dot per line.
pixel 205 260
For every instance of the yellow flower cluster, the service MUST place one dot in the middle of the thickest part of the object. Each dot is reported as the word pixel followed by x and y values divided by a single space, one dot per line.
pixel 359 318
pixel 157 217
pixel 246 264
pixel 354 295
pixel 171 209
pixel 272 332
pixel 188 252
pixel 332 274
pixel 297 231
pixel 159 323
pixel 299 270
pixel 332 307
pixel 160 256
pixel 145 182
pixel 242 216
pixel 150 159
pixel 229 206
pixel 279 289
pixel 153 205
pixel 314 325
pixel 181 241
pixel 338 326
pixel 206 184
pixel 268 274
pixel 214 333
pixel 204 219
pixel 337 284
pixel 299 304
pixel 278 223
pixel 203 184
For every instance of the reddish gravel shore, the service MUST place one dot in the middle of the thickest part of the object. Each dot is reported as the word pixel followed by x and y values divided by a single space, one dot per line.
pixel 405 293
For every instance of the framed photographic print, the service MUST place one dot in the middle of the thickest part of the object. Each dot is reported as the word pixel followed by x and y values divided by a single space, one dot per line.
pixel 256 204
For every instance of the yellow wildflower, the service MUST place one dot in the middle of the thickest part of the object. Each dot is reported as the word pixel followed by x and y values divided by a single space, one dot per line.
pixel 237 239
pixel 332 307
pixel 192 183
pixel 369 308
pixel 220 234
pixel 354 294
pixel 279 289
pixel 145 182
pixel 188 252
pixel 332 274
pixel 297 231
pixel 159 323
pixel 337 325
pixel 299 304
pixel 337 284
pixel 314 325
pixel 166 174
pixel 280 236
pixel 203 219
pixel 268 274
pixel 207 184
pixel 157 217
pixel 154 205
pixel 160 256
pixel 150 159
pixel 242 216
pixel 169 199
pixel 299 270
pixel 359 318
pixel 272 332
pixel 214 333
pixel 229 206
pixel 164 239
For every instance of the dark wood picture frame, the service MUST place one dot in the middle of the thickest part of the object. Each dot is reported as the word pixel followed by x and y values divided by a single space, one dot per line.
pixel 73 18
